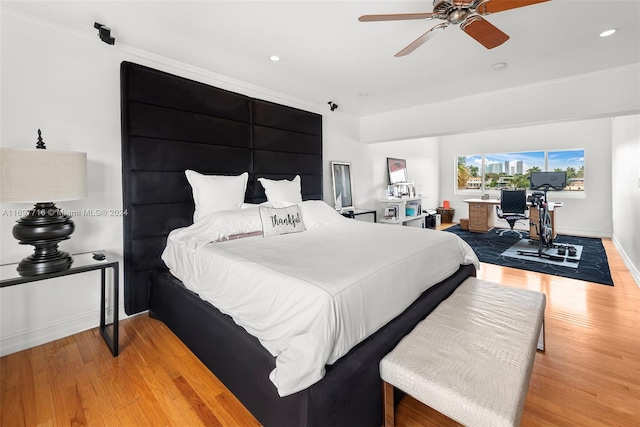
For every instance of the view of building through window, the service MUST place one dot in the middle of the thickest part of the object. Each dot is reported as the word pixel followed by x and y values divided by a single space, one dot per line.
pixel 483 172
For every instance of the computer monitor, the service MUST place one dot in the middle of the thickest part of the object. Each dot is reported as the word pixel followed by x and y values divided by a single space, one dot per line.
pixel 548 180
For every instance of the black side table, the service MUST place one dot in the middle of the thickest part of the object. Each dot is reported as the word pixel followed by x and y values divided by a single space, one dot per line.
pixel 352 213
pixel 81 263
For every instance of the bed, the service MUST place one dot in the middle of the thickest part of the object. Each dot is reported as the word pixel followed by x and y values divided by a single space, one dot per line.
pixel 170 124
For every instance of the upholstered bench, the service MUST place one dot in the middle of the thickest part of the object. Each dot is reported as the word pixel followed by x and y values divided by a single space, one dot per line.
pixel 472 357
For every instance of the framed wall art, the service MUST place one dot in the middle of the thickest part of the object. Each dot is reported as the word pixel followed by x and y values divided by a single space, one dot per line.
pixel 397 170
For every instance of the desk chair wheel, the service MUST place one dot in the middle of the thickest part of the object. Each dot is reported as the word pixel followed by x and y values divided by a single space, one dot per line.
pixel 510 231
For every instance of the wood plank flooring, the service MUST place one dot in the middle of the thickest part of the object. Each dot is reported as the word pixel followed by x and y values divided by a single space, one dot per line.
pixel 588 376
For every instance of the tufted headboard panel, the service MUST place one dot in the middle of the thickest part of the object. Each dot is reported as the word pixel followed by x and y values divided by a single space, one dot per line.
pixel 170 124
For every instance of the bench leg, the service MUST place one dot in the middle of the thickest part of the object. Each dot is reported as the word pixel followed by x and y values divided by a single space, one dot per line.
pixel 387 402
pixel 541 338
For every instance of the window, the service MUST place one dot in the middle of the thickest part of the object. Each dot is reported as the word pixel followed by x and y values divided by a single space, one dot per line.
pixel 483 172
pixel 572 162
pixel 469 172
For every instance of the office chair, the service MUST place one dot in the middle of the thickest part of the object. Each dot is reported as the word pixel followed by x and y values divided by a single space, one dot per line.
pixel 513 207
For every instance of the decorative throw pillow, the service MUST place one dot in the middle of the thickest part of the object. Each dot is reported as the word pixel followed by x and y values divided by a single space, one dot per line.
pixel 214 193
pixel 276 221
pixel 282 190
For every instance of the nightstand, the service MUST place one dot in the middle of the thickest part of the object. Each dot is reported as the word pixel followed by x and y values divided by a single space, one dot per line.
pixel 81 264
pixel 352 213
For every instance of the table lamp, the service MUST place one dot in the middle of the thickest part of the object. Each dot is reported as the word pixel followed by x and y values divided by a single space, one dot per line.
pixel 43 177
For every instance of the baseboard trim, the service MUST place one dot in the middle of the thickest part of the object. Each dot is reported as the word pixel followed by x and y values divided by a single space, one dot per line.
pixel 62 328
pixel 586 233
pixel 633 269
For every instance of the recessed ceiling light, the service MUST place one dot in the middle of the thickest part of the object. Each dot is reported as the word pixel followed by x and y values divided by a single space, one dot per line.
pixel 363 95
pixel 499 66
pixel 608 32
pixel 274 58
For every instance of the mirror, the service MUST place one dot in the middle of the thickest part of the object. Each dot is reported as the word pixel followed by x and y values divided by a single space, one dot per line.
pixel 341 174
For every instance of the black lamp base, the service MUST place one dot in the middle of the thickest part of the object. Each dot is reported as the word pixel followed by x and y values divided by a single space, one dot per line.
pixel 44 227
pixel 32 266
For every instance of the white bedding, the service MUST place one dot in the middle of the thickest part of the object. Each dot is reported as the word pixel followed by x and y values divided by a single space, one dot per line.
pixel 310 297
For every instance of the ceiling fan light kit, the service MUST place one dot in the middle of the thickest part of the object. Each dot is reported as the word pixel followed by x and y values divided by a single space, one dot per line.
pixel 467 14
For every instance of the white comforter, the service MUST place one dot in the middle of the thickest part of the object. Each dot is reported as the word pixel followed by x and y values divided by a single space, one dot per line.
pixel 310 297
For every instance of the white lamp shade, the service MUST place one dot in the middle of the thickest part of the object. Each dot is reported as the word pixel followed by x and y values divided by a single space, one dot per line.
pixel 40 175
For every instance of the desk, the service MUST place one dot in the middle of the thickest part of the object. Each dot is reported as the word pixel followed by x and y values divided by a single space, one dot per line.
pixel 81 263
pixel 534 218
pixel 352 213
pixel 481 214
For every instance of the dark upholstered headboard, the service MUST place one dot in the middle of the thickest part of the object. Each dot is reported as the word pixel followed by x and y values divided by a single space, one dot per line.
pixel 170 124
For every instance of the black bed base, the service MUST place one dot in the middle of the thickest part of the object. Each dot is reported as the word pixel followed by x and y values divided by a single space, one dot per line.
pixel 350 394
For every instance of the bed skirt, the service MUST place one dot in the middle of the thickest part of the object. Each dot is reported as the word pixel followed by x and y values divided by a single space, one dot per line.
pixel 350 394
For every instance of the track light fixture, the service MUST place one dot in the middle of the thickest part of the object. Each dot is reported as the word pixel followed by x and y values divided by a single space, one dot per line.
pixel 104 33
pixel 332 105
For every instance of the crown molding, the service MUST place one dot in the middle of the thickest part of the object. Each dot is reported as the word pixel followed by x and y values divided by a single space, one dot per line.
pixel 170 65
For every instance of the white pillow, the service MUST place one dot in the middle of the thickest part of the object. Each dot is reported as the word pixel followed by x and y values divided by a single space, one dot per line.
pixel 317 213
pixel 214 193
pixel 282 190
pixel 249 205
pixel 277 221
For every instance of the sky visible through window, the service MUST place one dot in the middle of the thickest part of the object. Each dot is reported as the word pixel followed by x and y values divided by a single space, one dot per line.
pixel 502 170
pixel 564 159
pixel 557 159
pixel 529 159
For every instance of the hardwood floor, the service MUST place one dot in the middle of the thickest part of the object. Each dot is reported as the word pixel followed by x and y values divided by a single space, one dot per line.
pixel 588 376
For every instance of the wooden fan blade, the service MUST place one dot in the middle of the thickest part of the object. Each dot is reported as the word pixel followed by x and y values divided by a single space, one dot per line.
pixel 484 32
pixel 492 6
pixel 395 17
pixel 421 40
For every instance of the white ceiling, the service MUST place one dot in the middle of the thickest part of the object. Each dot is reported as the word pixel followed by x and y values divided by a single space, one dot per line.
pixel 328 55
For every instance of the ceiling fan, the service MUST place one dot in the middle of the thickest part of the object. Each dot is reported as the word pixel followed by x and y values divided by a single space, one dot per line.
pixel 466 13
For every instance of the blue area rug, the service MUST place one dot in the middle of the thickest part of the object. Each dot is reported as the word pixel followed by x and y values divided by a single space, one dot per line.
pixel 593 265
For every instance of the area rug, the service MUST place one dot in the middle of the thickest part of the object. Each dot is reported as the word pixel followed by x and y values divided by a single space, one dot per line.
pixel 593 265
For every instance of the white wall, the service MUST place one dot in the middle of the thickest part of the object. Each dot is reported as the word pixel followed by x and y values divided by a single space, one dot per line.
pixel 589 215
pixel 340 139
pixel 626 190
pixel 369 164
pixel 68 84
pixel 422 156
pixel 61 83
